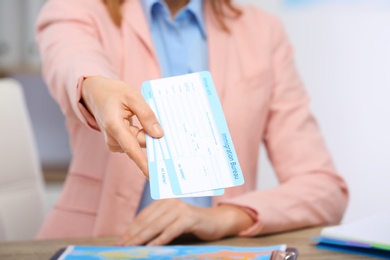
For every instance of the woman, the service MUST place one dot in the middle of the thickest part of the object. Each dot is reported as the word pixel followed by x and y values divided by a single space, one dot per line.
pixel 96 54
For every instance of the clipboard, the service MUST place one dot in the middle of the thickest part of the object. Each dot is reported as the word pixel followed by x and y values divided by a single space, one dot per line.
pixel 289 254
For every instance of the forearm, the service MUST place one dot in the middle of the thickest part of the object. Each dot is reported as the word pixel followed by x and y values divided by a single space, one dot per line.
pixel 307 200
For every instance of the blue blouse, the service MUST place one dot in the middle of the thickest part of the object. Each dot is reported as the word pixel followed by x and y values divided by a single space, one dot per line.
pixel 181 48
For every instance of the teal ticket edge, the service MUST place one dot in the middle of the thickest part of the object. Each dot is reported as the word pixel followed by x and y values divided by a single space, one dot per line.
pixel 223 130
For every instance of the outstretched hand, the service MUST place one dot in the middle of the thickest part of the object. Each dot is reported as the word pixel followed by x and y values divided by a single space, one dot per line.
pixel 113 104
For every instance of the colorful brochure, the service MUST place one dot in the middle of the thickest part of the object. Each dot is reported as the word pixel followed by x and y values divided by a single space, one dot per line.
pixel 176 252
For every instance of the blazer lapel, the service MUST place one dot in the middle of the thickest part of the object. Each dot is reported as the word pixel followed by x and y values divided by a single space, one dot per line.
pixel 218 41
pixel 135 18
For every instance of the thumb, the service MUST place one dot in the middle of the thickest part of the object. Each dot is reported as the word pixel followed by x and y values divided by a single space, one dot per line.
pixel 156 130
pixel 147 118
pixel 152 128
pixel 150 123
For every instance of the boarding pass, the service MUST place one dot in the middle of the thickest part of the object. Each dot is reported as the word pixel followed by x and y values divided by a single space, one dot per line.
pixel 196 155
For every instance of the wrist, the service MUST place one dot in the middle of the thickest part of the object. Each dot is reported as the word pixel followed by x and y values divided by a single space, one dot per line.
pixel 86 86
pixel 235 219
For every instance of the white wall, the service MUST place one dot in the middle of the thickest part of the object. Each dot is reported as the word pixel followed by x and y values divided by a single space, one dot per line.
pixel 343 54
pixel 19 57
pixel 17 37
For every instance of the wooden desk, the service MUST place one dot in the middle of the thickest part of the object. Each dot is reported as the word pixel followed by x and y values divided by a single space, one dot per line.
pixel 43 249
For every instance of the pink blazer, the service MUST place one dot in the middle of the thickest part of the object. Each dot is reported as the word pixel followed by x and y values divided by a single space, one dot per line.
pixel 261 94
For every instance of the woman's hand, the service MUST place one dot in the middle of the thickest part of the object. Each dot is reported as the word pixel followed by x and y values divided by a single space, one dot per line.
pixel 164 220
pixel 113 103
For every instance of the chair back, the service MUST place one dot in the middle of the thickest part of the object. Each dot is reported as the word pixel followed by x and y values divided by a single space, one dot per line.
pixel 22 206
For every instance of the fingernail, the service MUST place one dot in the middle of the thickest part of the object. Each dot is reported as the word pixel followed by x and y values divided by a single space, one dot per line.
pixel 157 130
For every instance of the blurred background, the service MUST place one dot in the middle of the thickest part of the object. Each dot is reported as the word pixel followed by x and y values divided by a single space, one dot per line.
pixel 342 50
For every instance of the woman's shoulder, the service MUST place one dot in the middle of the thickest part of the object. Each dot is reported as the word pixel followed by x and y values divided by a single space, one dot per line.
pixel 255 23
pixel 75 4
pixel 73 8
pixel 85 11
pixel 257 17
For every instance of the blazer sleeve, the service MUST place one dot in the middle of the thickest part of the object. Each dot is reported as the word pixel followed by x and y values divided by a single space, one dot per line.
pixel 70 49
pixel 310 192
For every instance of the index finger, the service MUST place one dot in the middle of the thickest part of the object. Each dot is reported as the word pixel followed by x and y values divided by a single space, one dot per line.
pixel 128 141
